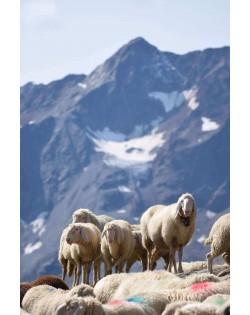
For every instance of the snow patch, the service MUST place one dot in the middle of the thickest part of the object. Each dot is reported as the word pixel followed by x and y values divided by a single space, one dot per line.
pixel 210 214
pixel 169 100
pixel 202 238
pixel 190 96
pixel 38 225
pixel 31 248
pixel 82 85
pixel 136 218
pixel 208 124
pixel 126 153
pixel 121 211
pixel 124 189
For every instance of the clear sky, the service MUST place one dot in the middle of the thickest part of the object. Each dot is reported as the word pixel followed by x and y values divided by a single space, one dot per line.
pixel 59 37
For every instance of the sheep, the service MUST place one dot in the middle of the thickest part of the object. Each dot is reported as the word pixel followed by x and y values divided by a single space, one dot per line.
pixel 132 306
pixel 45 299
pixel 122 285
pixel 168 228
pixel 52 280
pixel 117 244
pixel 86 216
pixel 65 257
pixel 219 238
pixel 85 239
pixel 139 253
pixel 213 305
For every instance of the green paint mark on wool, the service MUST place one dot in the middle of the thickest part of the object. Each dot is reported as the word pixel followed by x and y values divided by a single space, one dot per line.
pixel 218 301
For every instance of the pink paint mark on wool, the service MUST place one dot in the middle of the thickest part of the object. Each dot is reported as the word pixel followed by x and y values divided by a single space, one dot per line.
pixel 199 286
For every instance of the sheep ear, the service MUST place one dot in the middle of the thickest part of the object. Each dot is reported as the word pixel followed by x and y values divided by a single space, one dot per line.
pixel 104 234
pixel 84 235
pixel 118 236
pixel 178 208
pixel 88 219
pixel 194 208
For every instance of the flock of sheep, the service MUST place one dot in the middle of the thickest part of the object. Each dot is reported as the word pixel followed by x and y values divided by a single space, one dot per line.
pixel 193 288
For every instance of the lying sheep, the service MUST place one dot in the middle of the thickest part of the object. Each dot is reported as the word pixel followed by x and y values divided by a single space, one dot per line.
pixel 123 285
pixel 219 238
pixel 132 306
pixel 86 216
pixel 84 240
pixel 139 253
pixel 213 305
pixel 45 299
pixel 168 228
pixel 117 244
pixel 51 280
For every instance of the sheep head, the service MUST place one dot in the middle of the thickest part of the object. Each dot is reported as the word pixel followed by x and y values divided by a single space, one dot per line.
pixel 76 233
pixel 71 307
pixel 185 207
pixel 112 233
pixel 81 216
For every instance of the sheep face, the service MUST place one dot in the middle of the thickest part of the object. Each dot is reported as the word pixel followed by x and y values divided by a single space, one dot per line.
pixel 81 216
pixel 71 307
pixel 73 234
pixel 185 207
pixel 112 234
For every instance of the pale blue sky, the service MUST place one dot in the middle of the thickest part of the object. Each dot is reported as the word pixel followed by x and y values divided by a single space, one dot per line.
pixel 59 37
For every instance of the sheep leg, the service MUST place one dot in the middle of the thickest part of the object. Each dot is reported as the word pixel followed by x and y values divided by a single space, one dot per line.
pixel 86 269
pixel 78 274
pixel 108 264
pixel 120 263
pixel 144 263
pixel 154 257
pixel 166 259
pixel 172 260
pixel 64 268
pixel 97 266
pixel 180 252
pixel 209 262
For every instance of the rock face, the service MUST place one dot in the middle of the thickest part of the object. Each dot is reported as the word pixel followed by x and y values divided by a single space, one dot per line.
pixel 141 129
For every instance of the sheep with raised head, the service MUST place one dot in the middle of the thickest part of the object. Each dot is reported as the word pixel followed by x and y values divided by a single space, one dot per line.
pixel 86 216
pixel 219 238
pixel 45 299
pixel 84 240
pixel 123 285
pixel 51 280
pixel 139 253
pixel 169 228
pixel 117 244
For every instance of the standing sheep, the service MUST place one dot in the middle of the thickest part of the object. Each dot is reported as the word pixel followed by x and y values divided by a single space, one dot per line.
pixel 85 239
pixel 86 216
pixel 168 228
pixel 65 257
pixel 219 238
pixel 117 244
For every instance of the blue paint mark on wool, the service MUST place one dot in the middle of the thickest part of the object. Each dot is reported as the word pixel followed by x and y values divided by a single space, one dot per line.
pixel 136 299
